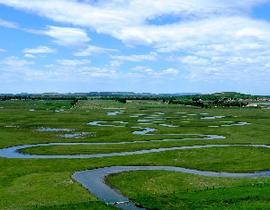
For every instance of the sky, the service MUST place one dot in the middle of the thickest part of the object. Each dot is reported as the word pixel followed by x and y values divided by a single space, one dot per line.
pixel 156 46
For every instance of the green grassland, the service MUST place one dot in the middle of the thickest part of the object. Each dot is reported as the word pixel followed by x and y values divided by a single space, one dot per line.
pixel 47 184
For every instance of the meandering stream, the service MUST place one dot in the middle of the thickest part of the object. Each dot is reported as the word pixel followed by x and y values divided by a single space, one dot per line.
pixel 16 151
pixel 94 180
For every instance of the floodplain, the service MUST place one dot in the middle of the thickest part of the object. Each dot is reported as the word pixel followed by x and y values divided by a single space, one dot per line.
pixel 99 134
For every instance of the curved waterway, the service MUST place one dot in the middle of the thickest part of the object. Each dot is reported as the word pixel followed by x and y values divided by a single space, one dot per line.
pixel 16 151
pixel 94 180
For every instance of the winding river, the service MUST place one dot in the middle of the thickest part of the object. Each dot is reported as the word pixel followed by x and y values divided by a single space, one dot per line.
pixel 94 180
pixel 16 151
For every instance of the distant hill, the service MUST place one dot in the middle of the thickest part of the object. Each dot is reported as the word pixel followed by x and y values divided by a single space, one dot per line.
pixel 94 94
pixel 134 96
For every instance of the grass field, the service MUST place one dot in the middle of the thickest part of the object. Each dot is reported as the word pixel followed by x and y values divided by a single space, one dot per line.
pixel 47 184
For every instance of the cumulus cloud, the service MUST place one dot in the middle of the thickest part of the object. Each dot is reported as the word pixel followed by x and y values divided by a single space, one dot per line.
pixel 73 62
pixel 99 72
pixel 143 69
pixel 114 16
pixel 127 20
pixel 31 52
pixel 135 58
pixel 170 71
pixel 39 50
pixel 8 24
pixel 209 39
pixel 131 12
pixel 65 36
pixel 65 70
pixel 147 71
pixel 15 62
pixel 91 50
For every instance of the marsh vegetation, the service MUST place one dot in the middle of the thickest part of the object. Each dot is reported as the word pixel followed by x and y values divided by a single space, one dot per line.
pixel 48 184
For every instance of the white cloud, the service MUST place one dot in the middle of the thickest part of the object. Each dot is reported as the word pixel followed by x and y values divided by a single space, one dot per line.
pixel 215 20
pixel 31 52
pixel 73 62
pixel 135 58
pixel 234 62
pixel 29 56
pixel 2 50
pixel 39 50
pixel 251 32
pixel 215 38
pixel 194 60
pixel 115 63
pixel 127 12
pixel 15 62
pixel 115 15
pixel 99 72
pixel 8 24
pixel 90 50
pixel 71 73
pixel 143 69
pixel 66 70
pixel 170 71
pixel 146 71
pixel 66 36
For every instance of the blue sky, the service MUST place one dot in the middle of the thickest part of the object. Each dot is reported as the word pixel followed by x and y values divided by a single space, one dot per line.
pixel 142 46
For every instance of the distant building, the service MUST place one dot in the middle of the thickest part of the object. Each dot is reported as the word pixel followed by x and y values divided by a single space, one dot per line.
pixel 252 105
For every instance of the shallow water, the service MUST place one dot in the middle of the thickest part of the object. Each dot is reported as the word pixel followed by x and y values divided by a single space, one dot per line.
pixel 15 151
pixel 54 129
pixel 159 113
pixel 146 123
pixel 236 124
pixel 11 126
pixel 230 125
pixel 115 113
pixel 76 135
pixel 169 126
pixel 144 131
pixel 143 120
pixel 94 181
pixel 212 117
pixel 59 110
pixel 101 123
pixel 137 115
pixel 114 108
pixel 213 126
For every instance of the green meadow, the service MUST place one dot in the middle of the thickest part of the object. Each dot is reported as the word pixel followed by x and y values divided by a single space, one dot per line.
pixel 28 184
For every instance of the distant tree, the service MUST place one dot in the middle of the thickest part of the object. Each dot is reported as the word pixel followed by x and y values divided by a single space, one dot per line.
pixel 74 102
pixel 122 100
